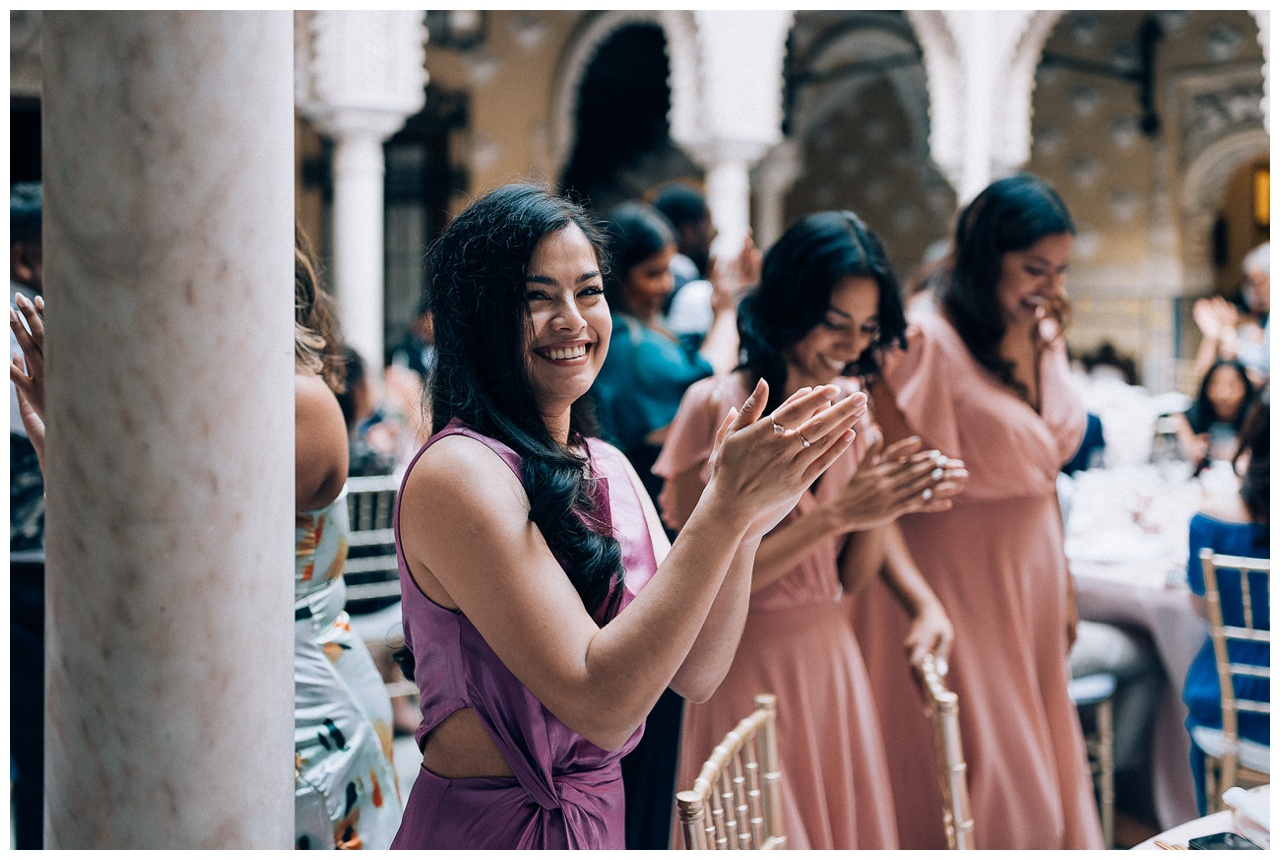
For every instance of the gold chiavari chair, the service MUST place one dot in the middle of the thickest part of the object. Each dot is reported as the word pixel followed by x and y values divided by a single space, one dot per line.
pixel 736 800
pixel 944 712
pixel 1097 692
pixel 1229 759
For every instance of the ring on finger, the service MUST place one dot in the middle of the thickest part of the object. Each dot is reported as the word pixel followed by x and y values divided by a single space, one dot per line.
pixel 804 443
pixel 927 494
pixel 936 474
pixel 777 428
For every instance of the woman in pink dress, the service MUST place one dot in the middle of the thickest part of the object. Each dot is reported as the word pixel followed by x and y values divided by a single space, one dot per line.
pixel 984 376
pixel 826 303
pixel 543 608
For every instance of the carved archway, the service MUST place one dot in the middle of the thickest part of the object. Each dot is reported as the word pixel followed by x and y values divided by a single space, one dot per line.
pixel 1203 183
pixel 866 43
pixel 681 41
pixel 944 76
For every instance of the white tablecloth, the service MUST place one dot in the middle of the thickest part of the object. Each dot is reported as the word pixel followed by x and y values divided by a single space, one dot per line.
pixel 1127 549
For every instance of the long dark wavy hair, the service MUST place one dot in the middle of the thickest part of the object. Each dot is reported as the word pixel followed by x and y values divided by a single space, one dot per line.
pixel 317 340
pixel 1011 214
pixel 799 275
pixel 1202 412
pixel 1255 440
pixel 477 274
pixel 636 231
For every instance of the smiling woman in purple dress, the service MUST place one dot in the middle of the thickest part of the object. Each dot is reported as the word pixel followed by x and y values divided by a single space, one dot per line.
pixel 543 608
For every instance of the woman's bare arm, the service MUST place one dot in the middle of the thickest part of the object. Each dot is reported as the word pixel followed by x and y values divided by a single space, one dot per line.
pixel 482 555
pixel 320 443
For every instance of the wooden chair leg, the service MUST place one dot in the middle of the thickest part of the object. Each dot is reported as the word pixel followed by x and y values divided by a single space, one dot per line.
pixel 1107 772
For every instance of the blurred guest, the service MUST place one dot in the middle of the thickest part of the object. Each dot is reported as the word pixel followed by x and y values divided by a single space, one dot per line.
pixel 360 409
pixel 1209 429
pixel 985 377
pixel 26 284
pixel 1237 524
pixel 826 302
pixel 346 794
pixel 26 513
pixel 1239 333
pixel 699 284
pixel 418 349
pixel 1105 358
pixel 686 209
pixel 648 369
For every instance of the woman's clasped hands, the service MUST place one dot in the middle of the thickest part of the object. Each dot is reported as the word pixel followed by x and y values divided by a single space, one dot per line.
pixel 896 480
pixel 760 464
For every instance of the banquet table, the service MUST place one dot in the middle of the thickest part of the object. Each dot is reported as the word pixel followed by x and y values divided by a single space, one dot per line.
pixel 1245 821
pixel 1127 550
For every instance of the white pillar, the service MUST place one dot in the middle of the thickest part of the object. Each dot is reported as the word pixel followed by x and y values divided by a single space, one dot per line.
pixel 775 175
pixel 729 199
pixel 360 76
pixel 168 233
pixel 358 238
pixel 739 109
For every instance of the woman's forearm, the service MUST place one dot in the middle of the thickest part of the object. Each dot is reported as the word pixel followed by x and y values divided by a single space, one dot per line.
pixel 720 346
pixel 901 574
pixel 791 543
pixel 712 652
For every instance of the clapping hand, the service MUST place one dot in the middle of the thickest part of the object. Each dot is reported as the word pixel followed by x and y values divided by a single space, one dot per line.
pixel 730 280
pixel 26 368
pixel 897 480
pixel 761 465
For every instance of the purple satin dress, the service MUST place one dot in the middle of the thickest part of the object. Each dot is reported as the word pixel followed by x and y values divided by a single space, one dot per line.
pixel 566 792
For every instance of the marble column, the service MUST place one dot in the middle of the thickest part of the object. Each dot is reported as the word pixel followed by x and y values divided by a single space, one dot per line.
pixel 168 233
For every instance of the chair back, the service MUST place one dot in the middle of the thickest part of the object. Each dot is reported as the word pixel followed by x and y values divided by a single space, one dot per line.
pixel 944 712
pixel 371 573
pixel 736 801
pixel 1222 575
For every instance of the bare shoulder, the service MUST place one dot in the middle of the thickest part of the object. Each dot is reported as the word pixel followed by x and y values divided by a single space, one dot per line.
pixel 1227 508
pixel 320 443
pixel 464 471
pixel 314 400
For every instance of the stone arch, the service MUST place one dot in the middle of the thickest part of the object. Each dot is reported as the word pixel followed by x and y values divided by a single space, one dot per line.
pixel 950 94
pixel 682 56
pixel 944 81
pixel 1012 141
pixel 1203 182
pixel 813 112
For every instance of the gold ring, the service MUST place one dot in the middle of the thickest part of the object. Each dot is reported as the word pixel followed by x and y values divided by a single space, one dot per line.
pixel 803 441
pixel 777 428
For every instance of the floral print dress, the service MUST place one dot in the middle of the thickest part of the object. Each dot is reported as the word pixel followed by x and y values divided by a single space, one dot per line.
pixel 345 787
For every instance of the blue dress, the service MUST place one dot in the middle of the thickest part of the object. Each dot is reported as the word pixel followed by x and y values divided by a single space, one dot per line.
pixel 1201 692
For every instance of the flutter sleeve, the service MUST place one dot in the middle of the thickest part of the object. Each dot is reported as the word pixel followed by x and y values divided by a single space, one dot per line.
pixel 692 434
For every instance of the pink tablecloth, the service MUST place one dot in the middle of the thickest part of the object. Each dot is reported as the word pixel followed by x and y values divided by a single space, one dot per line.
pixel 1127 548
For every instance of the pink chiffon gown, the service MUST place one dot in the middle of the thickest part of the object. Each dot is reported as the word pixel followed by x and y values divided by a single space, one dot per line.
pixel 567 792
pixel 798 645
pixel 996 561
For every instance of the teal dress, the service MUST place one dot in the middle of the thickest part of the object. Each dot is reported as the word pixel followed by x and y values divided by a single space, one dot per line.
pixel 639 390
